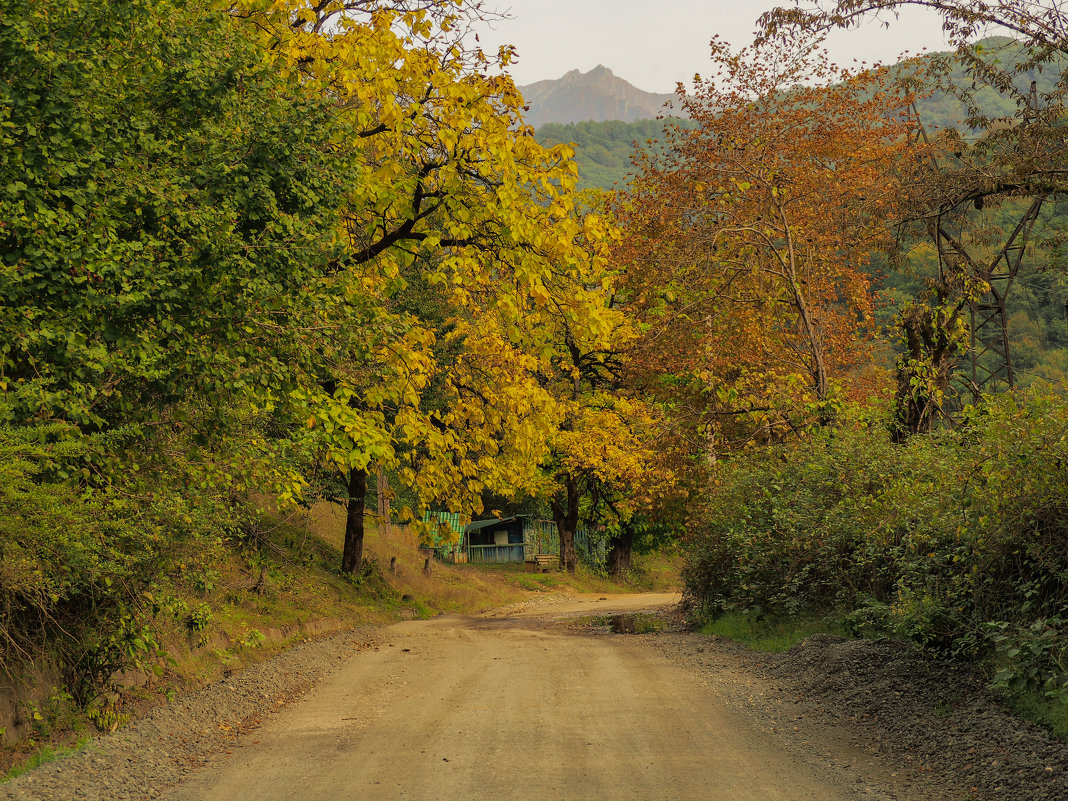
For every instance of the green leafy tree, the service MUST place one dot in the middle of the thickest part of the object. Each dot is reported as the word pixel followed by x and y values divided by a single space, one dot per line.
pixel 166 198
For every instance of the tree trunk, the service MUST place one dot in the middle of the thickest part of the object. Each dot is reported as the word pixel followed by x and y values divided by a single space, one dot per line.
pixel 813 336
pixel 926 368
pixel 565 515
pixel 353 555
pixel 568 558
pixel 384 514
pixel 619 554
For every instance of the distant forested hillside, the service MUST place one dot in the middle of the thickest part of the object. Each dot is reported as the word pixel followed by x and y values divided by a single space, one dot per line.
pixel 604 150
pixel 943 110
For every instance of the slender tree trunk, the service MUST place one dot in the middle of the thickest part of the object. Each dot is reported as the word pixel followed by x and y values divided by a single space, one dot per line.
pixel 353 555
pixel 620 553
pixel 384 523
pixel 565 515
pixel 813 337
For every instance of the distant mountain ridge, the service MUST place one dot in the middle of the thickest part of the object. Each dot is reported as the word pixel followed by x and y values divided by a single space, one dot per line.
pixel 605 147
pixel 597 95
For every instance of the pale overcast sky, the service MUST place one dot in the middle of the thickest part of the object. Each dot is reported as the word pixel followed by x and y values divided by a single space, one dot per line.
pixel 654 44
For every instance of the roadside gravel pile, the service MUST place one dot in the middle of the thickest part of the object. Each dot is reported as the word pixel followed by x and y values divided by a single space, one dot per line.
pixel 158 750
pixel 934 716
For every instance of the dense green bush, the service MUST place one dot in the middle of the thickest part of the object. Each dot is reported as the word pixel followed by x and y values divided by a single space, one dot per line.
pixel 82 564
pixel 957 541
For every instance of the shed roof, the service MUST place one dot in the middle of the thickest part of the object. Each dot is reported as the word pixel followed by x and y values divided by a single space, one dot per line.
pixel 475 525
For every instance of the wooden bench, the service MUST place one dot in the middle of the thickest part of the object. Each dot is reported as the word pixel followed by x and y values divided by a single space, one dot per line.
pixel 543 563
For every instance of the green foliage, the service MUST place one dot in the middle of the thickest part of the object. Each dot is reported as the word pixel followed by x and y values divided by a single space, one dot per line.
pixel 253 639
pixel 81 567
pixel 956 541
pixel 772 635
pixel 198 619
pixel 56 713
pixel 163 193
pixel 605 151
pixel 56 559
pixel 167 199
pixel 1034 705
pixel 102 713
pixel 652 535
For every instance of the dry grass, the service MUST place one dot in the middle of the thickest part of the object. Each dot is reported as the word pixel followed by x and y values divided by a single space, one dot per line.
pixel 450 588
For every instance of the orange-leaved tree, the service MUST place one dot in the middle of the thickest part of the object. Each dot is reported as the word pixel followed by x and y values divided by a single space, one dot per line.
pixel 747 242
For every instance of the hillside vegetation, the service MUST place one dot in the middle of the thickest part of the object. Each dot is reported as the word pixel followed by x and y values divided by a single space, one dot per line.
pixel 605 151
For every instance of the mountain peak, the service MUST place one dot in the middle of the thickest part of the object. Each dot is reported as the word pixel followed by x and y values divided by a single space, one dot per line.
pixel 600 72
pixel 597 95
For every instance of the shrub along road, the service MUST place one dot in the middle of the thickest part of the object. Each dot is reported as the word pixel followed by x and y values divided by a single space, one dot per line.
pixel 542 701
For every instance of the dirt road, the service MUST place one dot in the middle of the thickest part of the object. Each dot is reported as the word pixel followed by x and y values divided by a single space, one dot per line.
pixel 515 705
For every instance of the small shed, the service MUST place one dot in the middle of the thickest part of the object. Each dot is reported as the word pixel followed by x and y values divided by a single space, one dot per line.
pixel 509 539
pixel 496 540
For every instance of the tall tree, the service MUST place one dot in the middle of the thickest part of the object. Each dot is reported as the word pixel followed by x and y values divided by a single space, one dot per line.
pixel 450 190
pixel 1010 157
pixel 747 242
pixel 605 449
pixel 166 197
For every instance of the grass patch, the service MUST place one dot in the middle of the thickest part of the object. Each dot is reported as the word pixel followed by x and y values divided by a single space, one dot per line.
pixel 537 582
pixel 1049 713
pixel 772 635
pixel 44 756
pixel 657 572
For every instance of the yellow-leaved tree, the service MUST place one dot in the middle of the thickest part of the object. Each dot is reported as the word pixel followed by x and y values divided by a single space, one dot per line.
pixel 605 451
pixel 449 192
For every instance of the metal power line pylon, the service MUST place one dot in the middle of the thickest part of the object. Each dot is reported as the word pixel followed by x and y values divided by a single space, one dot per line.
pixel 991 356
